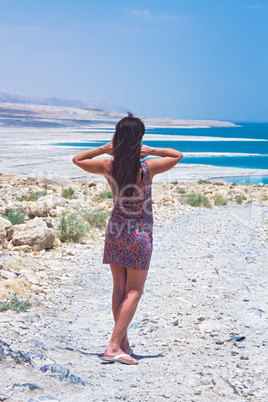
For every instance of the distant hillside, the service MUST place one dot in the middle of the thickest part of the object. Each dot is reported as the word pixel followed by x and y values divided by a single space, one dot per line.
pixel 45 112
pixel 54 101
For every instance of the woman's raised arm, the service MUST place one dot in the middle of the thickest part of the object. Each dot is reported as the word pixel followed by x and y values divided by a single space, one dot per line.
pixel 85 160
pixel 169 158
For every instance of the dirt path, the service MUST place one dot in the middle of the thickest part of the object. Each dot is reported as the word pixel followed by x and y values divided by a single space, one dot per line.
pixel 207 282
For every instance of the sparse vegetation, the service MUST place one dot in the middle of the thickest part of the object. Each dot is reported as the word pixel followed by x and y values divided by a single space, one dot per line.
pixel 196 200
pixel 220 200
pixel 16 218
pixel 105 195
pixel 38 194
pixel 15 304
pixel 33 196
pixel 181 190
pixel 218 183
pixel 68 193
pixel 174 182
pixel 96 218
pixel 204 181
pixel 240 198
pixel 71 227
pixel 48 187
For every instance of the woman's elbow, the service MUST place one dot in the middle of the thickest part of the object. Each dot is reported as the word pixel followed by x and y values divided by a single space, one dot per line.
pixel 74 160
pixel 180 156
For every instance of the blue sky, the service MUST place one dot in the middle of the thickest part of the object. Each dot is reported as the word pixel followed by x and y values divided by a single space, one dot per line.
pixel 199 59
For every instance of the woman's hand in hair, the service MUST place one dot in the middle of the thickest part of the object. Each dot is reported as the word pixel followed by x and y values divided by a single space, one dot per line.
pixel 108 148
pixel 145 151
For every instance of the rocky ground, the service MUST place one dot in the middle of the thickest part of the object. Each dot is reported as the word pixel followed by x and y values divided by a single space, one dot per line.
pixel 200 332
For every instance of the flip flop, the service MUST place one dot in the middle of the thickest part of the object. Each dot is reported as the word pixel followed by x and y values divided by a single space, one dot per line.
pixel 131 352
pixel 118 358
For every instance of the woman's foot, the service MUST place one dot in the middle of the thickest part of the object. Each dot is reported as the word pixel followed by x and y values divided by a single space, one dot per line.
pixel 109 353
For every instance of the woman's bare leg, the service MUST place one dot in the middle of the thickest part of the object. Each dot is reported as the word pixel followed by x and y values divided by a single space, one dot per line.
pixel 133 291
pixel 119 285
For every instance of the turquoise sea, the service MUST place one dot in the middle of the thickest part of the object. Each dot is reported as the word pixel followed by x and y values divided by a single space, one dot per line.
pixel 258 144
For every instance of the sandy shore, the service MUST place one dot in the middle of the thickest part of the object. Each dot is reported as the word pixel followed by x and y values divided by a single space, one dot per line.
pixel 31 151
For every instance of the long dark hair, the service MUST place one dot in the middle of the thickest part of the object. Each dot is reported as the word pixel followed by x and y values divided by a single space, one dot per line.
pixel 127 146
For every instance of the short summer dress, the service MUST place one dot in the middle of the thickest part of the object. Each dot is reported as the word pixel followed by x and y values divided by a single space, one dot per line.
pixel 128 237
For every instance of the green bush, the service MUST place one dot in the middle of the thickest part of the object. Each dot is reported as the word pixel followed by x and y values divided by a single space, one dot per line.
pixel 96 218
pixel 218 183
pixel 181 190
pixel 71 227
pixel 196 200
pixel 15 304
pixel 33 196
pixel 174 182
pixel 38 194
pixel 240 198
pixel 48 187
pixel 204 181
pixel 105 195
pixel 220 200
pixel 16 218
pixel 68 193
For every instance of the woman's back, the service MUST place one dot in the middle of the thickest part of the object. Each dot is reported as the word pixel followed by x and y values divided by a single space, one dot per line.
pixel 139 205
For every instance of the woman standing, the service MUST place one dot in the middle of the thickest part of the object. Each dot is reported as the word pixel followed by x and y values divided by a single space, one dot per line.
pixel 128 238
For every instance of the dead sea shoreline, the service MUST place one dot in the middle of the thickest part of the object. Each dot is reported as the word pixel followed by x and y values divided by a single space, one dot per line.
pixel 31 152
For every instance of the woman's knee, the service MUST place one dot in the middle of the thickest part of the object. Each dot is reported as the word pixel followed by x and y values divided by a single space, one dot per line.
pixel 134 293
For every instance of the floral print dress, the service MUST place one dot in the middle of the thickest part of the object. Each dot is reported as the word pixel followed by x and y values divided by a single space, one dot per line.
pixel 128 237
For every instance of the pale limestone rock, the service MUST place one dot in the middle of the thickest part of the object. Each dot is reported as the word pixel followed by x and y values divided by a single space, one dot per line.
pixel 23 264
pixel 57 243
pixel 36 235
pixel 41 208
pixel 12 286
pixel 2 238
pixel 53 213
pixel 25 248
pixel 210 326
pixel 7 226
pixel 31 278
pixel 223 386
pixel 7 274
pixel 49 222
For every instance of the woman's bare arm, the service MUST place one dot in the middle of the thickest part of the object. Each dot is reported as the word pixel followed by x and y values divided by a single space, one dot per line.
pixel 169 158
pixel 85 160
